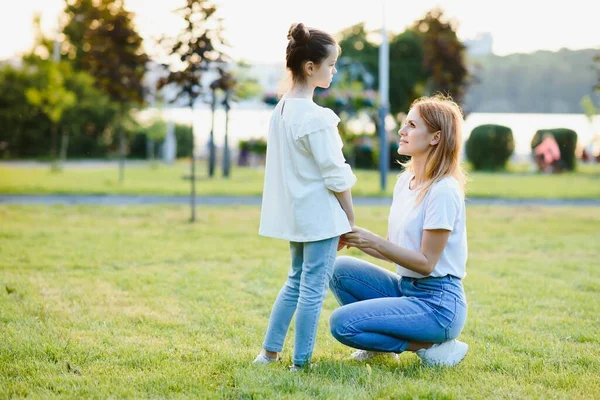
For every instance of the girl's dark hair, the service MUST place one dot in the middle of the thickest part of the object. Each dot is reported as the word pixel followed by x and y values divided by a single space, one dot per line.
pixel 306 44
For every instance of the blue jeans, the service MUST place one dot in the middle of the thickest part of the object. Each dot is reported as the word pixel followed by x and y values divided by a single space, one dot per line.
pixel 382 311
pixel 303 293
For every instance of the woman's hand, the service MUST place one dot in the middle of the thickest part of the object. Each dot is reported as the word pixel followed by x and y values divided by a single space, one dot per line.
pixel 360 238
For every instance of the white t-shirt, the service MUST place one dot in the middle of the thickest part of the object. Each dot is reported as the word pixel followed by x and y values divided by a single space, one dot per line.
pixel 442 208
pixel 304 166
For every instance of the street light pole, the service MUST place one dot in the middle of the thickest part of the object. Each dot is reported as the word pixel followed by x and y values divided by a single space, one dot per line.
pixel 384 78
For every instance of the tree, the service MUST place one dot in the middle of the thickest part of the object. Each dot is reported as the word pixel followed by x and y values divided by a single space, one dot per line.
pixel 51 97
pixel 21 123
pixel 105 43
pixel 443 55
pixel 192 53
pixel 407 75
pixel 407 72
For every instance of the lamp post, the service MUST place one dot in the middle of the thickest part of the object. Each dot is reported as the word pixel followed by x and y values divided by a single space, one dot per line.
pixel 226 156
pixel 211 142
pixel 384 78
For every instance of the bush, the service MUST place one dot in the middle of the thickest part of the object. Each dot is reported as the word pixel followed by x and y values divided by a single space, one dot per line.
pixel 489 147
pixel 395 158
pixel 183 135
pixel 567 141
pixel 364 157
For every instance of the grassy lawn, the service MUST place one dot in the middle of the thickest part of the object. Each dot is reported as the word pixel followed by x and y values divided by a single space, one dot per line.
pixel 135 302
pixel 169 180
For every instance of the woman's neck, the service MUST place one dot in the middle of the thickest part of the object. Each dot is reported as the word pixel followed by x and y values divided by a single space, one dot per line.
pixel 418 164
pixel 303 91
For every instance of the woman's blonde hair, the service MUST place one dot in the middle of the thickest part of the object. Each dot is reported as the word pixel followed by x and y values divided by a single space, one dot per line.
pixel 441 113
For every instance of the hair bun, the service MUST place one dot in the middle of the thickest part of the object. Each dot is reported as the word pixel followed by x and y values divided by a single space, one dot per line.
pixel 299 34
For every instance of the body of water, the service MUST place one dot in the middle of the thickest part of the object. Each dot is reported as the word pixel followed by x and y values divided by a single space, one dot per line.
pixel 246 123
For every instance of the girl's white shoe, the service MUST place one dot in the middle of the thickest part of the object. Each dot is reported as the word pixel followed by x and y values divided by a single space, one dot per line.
pixel 262 359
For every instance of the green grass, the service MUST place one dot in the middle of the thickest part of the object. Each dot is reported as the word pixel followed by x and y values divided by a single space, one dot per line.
pixel 135 302
pixel 169 180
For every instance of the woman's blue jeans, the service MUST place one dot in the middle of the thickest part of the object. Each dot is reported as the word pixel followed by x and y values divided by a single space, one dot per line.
pixel 382 311
pixel 303 293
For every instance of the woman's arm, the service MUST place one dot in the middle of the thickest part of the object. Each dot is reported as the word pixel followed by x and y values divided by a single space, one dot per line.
pixel 376 254
pixel 422 262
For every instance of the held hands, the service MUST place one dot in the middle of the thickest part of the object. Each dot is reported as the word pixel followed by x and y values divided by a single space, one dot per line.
pixel 359 238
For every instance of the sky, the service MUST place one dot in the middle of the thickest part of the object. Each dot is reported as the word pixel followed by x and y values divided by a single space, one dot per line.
pixel 257 29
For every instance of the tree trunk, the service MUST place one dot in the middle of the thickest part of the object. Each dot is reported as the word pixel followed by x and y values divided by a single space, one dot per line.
pixel 53 141
pixel 211 142
pixel 121 149
pixel 193 176
pixel 64 145
pixel 226 157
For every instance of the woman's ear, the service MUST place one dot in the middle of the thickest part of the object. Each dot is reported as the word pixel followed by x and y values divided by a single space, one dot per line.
pixel 436 138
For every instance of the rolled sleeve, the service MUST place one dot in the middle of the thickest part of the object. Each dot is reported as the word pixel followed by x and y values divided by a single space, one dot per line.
pixel 442 209
pixel 325 146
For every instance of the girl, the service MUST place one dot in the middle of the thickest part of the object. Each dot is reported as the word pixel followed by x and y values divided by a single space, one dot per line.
pixel 422 308
pixel 306 196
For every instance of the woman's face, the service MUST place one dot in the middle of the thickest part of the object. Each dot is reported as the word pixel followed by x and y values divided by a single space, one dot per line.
pixel 415 138
pixel 323 73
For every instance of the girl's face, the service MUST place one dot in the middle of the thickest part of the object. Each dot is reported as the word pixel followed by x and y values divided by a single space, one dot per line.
pixel 415 138
pixel 323 73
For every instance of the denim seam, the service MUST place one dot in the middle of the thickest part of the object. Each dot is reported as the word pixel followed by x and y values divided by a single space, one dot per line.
pixel 364 283
pixel 378 316
pixel 451 322
pixel 316 322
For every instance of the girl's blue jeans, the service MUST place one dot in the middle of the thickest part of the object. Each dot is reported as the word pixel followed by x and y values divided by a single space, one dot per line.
pixel 381 311
pixel 303 293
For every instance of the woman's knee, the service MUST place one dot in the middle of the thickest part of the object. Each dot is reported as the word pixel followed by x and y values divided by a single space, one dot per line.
pixel 342 264
pixel 338 323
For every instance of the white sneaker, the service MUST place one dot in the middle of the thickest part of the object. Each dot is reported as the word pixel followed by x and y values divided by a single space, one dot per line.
pixel 446 354
pixel 262 359
pixel 362 355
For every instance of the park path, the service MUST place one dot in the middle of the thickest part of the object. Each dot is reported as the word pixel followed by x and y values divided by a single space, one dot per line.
pixel 117 200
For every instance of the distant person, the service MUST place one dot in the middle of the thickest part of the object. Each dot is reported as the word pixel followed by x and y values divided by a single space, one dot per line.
pixel 547 154
pixel 306 197
pixel 422 307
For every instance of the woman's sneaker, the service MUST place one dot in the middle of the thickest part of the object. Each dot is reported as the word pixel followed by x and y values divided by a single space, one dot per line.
pixel 362 355
pixel 262 359
pixel 446 354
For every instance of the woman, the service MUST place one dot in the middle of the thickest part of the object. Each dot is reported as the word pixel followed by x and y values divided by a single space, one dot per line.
pixel 422 308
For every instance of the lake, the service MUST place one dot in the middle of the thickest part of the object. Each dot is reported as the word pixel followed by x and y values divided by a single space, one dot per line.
pixel 253 122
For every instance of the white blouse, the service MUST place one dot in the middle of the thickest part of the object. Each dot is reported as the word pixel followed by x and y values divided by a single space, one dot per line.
pixel 442 208
pixel 304 166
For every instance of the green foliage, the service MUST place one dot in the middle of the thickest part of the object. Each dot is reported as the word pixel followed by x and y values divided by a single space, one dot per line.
pixel 193 51
pixel 49 93
pixel 24 131
pixel 489 147
pixel 105 43
pixel 444 55
pixel 423 60
pixel 185 141
pixel 567 143
pixel 407 75
pixel 364 156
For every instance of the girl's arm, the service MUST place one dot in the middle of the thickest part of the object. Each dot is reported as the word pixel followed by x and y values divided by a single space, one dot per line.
pixel 345 200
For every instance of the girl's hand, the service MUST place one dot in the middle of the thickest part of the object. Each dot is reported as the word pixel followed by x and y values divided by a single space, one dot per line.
pixel 360 238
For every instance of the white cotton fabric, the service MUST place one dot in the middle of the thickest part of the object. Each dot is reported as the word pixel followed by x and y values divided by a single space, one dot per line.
pixel 304 166
pixel 442 208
